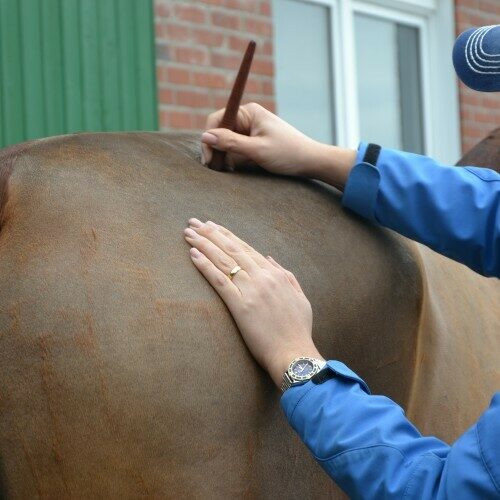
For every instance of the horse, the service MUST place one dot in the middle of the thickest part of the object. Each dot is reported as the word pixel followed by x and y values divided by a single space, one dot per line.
pixel 122 372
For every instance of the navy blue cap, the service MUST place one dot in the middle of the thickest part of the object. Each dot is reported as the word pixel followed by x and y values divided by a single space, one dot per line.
pixel 476 57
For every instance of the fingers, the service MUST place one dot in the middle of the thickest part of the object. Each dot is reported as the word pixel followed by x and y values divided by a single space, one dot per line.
pixel 213 121
pixel 218 257
pixel 259 258
pixel 291 277
pixel 227 290
pixel 224 139
pixel 244 121
pixel 244 256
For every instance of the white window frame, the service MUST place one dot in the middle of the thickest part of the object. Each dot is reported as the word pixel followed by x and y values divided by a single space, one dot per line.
pixel 435 21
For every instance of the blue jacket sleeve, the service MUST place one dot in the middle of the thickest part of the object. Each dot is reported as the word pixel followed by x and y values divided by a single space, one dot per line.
pixel 453 210
pixel 366 444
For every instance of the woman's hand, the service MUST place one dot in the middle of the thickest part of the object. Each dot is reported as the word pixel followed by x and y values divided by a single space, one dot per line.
pixel 264 139
pixel 266 301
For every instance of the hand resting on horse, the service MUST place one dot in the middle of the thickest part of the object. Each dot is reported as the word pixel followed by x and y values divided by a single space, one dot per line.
pixel 266 301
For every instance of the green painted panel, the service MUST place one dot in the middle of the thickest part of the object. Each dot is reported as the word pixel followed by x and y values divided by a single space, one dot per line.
pixel 12 77
pixel 33 86
pixel 128 61
pixel 76 65
pixel 109 53
pixel 72 65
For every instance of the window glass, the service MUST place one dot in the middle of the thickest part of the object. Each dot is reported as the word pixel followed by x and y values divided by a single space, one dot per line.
pixel 389 93
pixel 304 90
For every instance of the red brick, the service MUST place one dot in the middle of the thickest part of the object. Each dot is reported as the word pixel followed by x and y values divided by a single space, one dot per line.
pixel 166 96
pixel 210 80
pixel 161 74
pixel 492 102
pixel 177 32
pixel 208 37
pixel 470 98
pixel 253 86
pixel 190 13
pixel 160 31
pixel 213 2
pixel 469 3
pixel 226 20
pixel 268 104
pixel 239 43
pixel 267 48
pixel 179 119
pixel 268 87
pixel 484 117
pixel 259 27
pixel 265 8
pixel 224 61
pixel 263 67
pixel 178 75
pixel 246 5
pixel 474 132
pixel 162 9
pixel 193 99
pixel 191 56
pixel 200 121
pixel 220 101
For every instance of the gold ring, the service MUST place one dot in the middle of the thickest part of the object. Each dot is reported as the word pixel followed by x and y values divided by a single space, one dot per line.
pixel 233 272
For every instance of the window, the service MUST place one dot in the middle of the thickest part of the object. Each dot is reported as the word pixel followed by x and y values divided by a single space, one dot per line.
pixel 303 67
pixel 388 76
pixel 379 71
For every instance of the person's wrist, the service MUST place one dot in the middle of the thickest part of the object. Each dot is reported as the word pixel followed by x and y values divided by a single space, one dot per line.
pixel 332 164
pixel 281 361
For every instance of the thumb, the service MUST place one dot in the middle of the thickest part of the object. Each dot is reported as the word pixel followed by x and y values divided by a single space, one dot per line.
pixel 224 139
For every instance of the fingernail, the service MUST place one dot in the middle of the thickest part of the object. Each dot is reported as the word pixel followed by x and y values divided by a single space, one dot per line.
pixel 195 222
pixel 203 162
pixel 209 138
pixel 195 253
pixel 190 233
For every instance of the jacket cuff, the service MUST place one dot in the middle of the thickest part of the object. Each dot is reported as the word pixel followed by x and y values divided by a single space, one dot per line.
pixel 363 146
pixel 292 397
pixel 361 190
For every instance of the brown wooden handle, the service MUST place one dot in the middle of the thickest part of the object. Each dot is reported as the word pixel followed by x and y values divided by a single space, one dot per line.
pixel 233 104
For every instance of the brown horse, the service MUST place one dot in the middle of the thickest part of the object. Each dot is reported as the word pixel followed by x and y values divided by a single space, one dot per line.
pixel 122 373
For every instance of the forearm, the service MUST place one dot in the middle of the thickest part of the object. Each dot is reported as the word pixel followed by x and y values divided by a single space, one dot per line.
pixel 367 445
pixel 453 210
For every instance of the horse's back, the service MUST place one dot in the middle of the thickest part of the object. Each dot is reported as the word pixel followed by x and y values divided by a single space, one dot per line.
pixel 122 372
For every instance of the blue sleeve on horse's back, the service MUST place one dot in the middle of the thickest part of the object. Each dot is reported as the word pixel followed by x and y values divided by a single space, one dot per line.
pixel 453 210
pixel 367 445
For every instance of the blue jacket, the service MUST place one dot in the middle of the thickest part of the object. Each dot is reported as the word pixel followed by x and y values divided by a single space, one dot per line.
pixel 364 442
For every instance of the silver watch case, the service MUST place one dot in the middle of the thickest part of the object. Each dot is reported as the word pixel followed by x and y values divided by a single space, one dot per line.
pixel 290 378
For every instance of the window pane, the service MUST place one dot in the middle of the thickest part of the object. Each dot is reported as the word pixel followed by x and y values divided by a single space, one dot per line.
pixel 303 67
pixel 387 58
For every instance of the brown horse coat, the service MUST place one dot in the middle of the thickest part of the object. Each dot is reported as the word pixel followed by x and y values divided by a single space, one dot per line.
pixel 122 373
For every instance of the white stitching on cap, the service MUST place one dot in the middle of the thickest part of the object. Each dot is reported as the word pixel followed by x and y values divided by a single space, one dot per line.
pixel 471 47
pixel 479 41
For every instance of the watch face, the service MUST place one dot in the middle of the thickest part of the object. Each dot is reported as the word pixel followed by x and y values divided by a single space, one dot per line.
pixel 302 369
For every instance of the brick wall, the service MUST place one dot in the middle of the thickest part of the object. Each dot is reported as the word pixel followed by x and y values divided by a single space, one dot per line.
pixel 199 47
pixel 479 111
pixel 200 43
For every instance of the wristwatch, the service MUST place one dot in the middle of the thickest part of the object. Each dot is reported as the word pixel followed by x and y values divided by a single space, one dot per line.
pixel 301 370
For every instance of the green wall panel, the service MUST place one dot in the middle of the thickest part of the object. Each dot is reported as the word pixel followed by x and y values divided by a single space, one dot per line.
pixel 76 65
